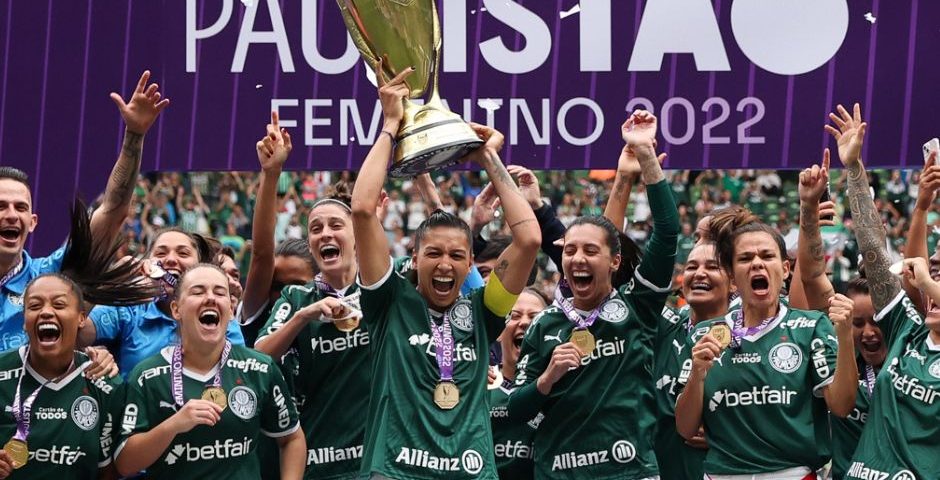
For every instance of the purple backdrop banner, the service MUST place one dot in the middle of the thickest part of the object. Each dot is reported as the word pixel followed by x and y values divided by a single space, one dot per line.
pixel 743 83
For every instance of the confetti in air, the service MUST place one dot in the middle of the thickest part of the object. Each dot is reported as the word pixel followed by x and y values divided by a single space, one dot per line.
pixel 871 18
pixel 489 104
pixel 258 86
pixel 571 11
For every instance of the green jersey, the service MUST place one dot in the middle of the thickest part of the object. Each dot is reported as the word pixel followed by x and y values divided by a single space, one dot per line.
pixel 599 418
pixel 71 427
pixel 677 461
pixel 847 431
pixel 763 409
pixel 407 435
pixel 258 402
pixel 900 437
pixel 512 440
pixel 332 394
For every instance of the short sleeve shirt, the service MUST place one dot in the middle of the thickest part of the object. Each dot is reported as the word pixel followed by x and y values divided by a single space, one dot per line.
pixel 12 335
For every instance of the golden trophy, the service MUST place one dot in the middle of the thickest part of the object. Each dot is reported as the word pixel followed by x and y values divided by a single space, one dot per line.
pixel 407 33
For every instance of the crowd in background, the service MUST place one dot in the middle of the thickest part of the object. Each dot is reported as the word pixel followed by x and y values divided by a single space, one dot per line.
pixel 220 204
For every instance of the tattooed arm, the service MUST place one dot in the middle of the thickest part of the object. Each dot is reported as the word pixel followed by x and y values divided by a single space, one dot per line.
pixel 515 263
pixel 869 230
pixel 811 256
pixel 138 114
pixel 628 167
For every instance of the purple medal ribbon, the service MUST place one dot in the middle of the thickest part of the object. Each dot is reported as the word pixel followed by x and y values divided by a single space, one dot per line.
pixel 21 411
pixel 870 379
pixel 444 345
pixel 581 323
pixel 740 331
pixel 326 288
pixel 12 273
pixel 176 368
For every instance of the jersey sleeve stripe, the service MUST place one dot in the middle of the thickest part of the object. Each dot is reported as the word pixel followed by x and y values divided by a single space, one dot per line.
pixel 649 284
pixel 376 285
pixel 890 306
pixel 281 434
pixel 817 390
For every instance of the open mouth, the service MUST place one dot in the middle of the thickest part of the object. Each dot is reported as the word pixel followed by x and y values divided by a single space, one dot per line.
pixel 443 285
pixel 10 234
pixel 329 252
pixel 209 318
pixel 581 279
pixel 760 284
pixel 48 332
pixel 701 287
pixel 871 346
pixel 517 341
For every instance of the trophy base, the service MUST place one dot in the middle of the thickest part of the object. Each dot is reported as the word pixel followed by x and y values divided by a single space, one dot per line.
pixel 432 147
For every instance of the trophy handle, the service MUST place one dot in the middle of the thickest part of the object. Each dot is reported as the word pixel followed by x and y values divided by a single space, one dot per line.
pixel 434 101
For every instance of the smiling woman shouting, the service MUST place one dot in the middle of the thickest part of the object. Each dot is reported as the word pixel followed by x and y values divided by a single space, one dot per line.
pixel 195 410
pixel 763 377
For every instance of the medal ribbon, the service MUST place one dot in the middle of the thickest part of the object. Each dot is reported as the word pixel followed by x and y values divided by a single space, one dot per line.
pixel 870 379
pixel 444 345
pixel 21 411
pixel 351 301
pixel 176 369
pixel 581 323
pixel 13 272
pixel 740 331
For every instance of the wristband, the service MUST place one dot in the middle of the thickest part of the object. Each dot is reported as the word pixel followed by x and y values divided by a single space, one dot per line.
pixel 391 137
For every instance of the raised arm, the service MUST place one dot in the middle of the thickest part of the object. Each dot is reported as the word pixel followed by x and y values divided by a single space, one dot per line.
pixel 138 114
pixel 811 257
pixel 273 151
pixel 515 263
pixel 869 230
pixel 428 191
pixel 917 233
pixel 639 132
pixel 371 242
pixel 552 229
pixel 628 169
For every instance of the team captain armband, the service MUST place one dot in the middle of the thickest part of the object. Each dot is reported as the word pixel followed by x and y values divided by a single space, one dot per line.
pixel 496 298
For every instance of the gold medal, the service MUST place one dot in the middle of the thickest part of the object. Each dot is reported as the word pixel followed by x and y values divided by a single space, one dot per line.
pixel 17 451
pixel 347 325
pixel 721 332
pixel 446 395
pixel 215 395
pixel 584 340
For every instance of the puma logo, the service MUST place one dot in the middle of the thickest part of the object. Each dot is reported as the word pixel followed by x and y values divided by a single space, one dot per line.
pixel 171 406
pixel 679 347
pixel 556 337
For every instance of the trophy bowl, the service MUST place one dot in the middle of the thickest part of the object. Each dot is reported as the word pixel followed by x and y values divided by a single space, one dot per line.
pixel 406 33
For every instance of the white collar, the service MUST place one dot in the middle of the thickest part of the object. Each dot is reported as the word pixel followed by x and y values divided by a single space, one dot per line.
pixel 167 353
pixel 55 386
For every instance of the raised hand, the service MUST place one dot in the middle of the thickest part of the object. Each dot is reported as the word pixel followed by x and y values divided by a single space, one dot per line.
pixel 850 134
pixel 494 138
pixel 484 208
pixel 528 185
pixel 565 357
pixel 275 147
pixel 840 312
pixel 392 94
pixel 102 363
pixel 144 106
pixel 640 129
pixel 195 412
pixel 929 183
pixel 814 181
pixel 704 354
pixel 917 272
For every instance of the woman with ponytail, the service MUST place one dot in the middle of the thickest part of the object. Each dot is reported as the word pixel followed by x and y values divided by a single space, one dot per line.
pixel 61 422
pixel 586 362
pixel 763 377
